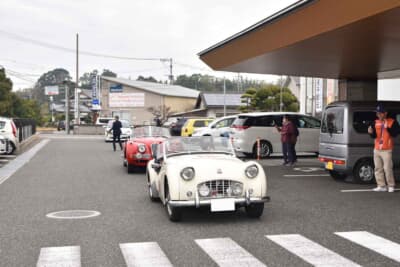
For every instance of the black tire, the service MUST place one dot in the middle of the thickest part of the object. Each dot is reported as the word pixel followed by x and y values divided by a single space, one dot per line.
pixel 265 149
pixel 151 193
pixel 255 210
pixel 338 176
pixel 130 168
pixel 125 162
pixel 174 213
pixel 363 172
pixel 11 149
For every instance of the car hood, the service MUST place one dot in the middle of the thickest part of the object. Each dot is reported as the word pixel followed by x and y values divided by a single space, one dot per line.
pixel 208 166
pixel 147 140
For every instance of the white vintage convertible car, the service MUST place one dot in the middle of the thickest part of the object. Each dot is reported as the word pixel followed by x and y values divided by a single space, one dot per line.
pixel 204 171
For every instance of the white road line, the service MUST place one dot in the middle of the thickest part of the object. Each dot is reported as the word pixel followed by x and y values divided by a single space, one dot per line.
pixel 144 254
pixel 18 162
pixel 362 190
pixel 310 251
pixel 301 175
pixel 373 242
pixel 226 252
pixel 60 256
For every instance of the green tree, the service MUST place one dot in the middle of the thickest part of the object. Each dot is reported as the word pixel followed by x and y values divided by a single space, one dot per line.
pixel 248 99
pixel 108 73
pixel 53 77
pixel 268 98
pixel 148 79
pixel 5 94
pixel 86 79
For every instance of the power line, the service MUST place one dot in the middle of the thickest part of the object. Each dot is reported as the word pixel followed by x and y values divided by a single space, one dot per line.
pixel 57 47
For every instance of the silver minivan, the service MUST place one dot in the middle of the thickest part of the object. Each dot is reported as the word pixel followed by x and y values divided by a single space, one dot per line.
pixel 345 147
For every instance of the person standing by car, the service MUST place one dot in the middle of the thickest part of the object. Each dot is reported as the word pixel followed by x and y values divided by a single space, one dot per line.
pixel 288 139
pixel 383 130
pixel 116 131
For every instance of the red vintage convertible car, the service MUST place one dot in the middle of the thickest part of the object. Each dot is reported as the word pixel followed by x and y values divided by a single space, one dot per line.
pixel 137 150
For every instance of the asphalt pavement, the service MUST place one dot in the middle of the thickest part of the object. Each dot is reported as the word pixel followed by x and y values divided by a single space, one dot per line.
pixel 309 221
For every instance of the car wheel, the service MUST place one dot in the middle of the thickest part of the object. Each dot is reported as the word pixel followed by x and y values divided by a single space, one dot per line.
pixel 130 168
pixel 11 149
pixel 337 175
pixel 364 172
pixel 255 210
pixel 151 193
pixel 174 213
pixel 265 149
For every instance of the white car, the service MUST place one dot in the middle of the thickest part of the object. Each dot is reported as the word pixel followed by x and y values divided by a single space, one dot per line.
pixel 9 131
pixel 204 171
pixel 4 145
pixel 126 130
pixel 219 127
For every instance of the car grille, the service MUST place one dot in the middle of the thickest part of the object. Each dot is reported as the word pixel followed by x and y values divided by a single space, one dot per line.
pixel 218 188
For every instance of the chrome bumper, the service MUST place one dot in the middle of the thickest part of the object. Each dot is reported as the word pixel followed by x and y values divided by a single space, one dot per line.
pixel 197 202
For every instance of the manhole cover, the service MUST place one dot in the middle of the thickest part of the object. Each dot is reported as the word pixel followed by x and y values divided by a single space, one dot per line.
pixel 73 214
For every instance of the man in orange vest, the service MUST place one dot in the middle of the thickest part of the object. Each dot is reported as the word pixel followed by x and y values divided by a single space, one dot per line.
pixel 383 130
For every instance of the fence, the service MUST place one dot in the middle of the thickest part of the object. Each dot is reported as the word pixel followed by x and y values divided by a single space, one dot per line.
pixel 25 128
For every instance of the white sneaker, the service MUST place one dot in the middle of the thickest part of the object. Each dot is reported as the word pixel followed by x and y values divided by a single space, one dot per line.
pixel 380 189
pixel 390 189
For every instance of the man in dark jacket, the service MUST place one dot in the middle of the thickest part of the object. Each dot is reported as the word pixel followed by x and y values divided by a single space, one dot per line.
pixel 116 131
pixel 288 139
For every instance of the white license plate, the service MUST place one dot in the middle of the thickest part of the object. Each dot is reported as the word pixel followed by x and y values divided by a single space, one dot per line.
pixel 225 204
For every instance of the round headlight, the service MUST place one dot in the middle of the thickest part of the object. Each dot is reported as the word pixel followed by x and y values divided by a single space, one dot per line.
pixel 138 155
pixel 187 173
pixel 251 171
pixel 237 189
pixel 142 148
pixel 204 190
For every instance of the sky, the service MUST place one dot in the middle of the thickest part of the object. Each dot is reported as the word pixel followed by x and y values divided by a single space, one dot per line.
pixel 37 36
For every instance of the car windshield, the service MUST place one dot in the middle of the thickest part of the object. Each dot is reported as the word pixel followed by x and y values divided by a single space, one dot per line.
pixel 198 144
pixel 2 124
pixel 151 131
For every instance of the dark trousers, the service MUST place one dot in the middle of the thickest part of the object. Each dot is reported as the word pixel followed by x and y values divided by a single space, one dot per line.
pixel 289 152
pixel 117 137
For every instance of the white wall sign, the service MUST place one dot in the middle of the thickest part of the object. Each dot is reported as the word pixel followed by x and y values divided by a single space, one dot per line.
pixel 319 83
pixel 51 90
pixel 126 100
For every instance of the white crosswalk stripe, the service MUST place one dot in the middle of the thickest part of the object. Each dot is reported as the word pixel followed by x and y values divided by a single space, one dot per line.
pixel 60 257
pixel 373 242
pixel 144 254
pixel 226 252
pixel 310 251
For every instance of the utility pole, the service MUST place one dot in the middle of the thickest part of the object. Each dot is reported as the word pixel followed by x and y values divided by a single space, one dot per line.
pixel 171 77
pixel 77 115
pixel 224 97
pixel 66 83
pixel 280 102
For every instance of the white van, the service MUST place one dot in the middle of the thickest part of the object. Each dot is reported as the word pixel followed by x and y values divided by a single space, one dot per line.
pixel 248 127
pixel 9 131
pixel 103 120
pixel 217 127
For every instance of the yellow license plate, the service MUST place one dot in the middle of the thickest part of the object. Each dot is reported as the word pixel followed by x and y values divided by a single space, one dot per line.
pixel 329 165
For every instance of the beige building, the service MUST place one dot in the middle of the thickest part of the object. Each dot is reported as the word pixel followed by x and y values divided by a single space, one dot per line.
pixel 138 101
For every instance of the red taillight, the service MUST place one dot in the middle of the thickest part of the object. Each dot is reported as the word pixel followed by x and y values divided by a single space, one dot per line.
pixel 240 127
pixel 338 162
pixel 14 129
pixel 335 161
